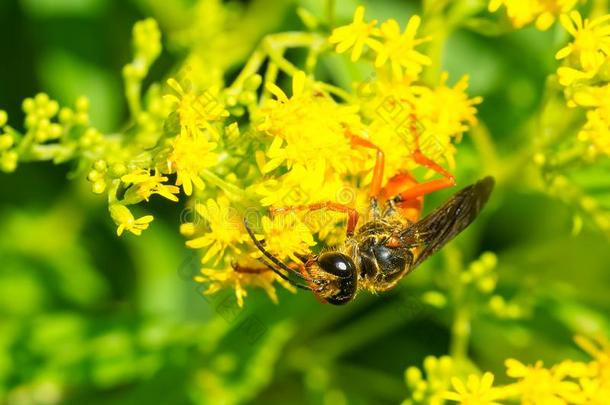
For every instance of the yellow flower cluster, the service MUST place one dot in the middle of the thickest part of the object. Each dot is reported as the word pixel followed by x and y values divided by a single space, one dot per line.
pixel 584 75
pixel 237 149
pixel 569 382
pixel 543 12
pixel 394 49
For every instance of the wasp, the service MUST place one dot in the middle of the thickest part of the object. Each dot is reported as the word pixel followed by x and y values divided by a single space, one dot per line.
pixel 391 243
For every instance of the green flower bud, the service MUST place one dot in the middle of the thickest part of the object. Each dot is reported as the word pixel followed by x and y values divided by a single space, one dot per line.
pixel 41 99
pixel 82 118
pixel 413 376
pixel 31 121
pixel 497 304
pixel 6 141
pixel 253 82
pixel 93 175
pixel 55 131
pixel 66 115
pixel 486 284
pixel 247 97
pixel 100 166
pixel 28 105
pixel 489 260
pixel 118 169
pixel 99 187
pixel 82 104
pixel 51 108
pixel 8 161
pixel 434 298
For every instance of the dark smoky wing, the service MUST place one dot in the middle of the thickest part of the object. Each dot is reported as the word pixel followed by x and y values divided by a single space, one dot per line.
pixel 447 221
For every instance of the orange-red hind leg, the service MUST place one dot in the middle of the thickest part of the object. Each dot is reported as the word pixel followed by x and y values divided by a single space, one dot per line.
pixel 352 214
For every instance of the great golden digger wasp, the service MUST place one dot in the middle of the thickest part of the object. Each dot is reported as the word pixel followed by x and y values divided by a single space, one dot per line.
pixel 392 243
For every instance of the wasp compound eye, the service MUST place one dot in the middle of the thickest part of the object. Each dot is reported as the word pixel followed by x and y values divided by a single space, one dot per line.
pixel 337 264
pixel 343 267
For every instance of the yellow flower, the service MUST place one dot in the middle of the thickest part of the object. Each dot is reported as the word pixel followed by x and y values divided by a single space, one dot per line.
pixel 399 48
pixel 591 44
pixel 307 129
pixel 391 114
pixel 538 385
pixel 226 229
pixel 196 111
pixel 191 153
pixel 476 391
pixel 229 278
pixel 286 235
pixel 144 185
pixel 355 35
pixel 596 130
pixel 438 123
pixel 599 350
pixel 568 76
pixel 302 186
pixel 523 12
pixel 126 221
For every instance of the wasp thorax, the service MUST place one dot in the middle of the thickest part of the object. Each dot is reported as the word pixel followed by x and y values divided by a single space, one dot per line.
pixel 341 277
pixel 391 260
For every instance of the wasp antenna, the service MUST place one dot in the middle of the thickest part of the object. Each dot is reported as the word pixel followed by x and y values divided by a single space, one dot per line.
pixel 283 276
pixel 272 258
pixel 302 258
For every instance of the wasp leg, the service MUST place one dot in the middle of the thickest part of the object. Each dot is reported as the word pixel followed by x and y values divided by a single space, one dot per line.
pixel 352 214
pixel 410 209
pixel 379 163
pixel 428 187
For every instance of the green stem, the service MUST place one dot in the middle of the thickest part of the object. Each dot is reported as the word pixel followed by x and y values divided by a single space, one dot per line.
pixel 330 13
pixel 335 90
pixel 274 46
pixel 460 327
pixel 252 66
pixel 460 333
pixel 270 77
pixel 133 88
pixel 484 144
pixel 228 188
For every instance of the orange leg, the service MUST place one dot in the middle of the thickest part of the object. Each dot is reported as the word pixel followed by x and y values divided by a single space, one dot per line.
pixel 379 163
pixel 428 187
pixel 249 270
pixel 410 209
pixel 352 214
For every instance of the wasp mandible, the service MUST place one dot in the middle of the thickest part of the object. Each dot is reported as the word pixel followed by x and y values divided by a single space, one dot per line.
pixel 394 240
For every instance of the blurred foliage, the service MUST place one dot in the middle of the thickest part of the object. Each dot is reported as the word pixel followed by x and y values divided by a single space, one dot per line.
pixel 86 317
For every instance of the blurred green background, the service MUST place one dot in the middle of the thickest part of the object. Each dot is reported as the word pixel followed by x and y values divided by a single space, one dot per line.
pixel 86 317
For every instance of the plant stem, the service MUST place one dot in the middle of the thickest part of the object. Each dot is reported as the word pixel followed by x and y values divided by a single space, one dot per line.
pixel 273 46
pixel 228 188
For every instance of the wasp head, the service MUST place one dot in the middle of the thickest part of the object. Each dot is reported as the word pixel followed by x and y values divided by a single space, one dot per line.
pixel 337 277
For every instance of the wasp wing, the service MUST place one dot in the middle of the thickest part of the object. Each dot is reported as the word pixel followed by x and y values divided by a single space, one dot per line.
pixel 447 221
